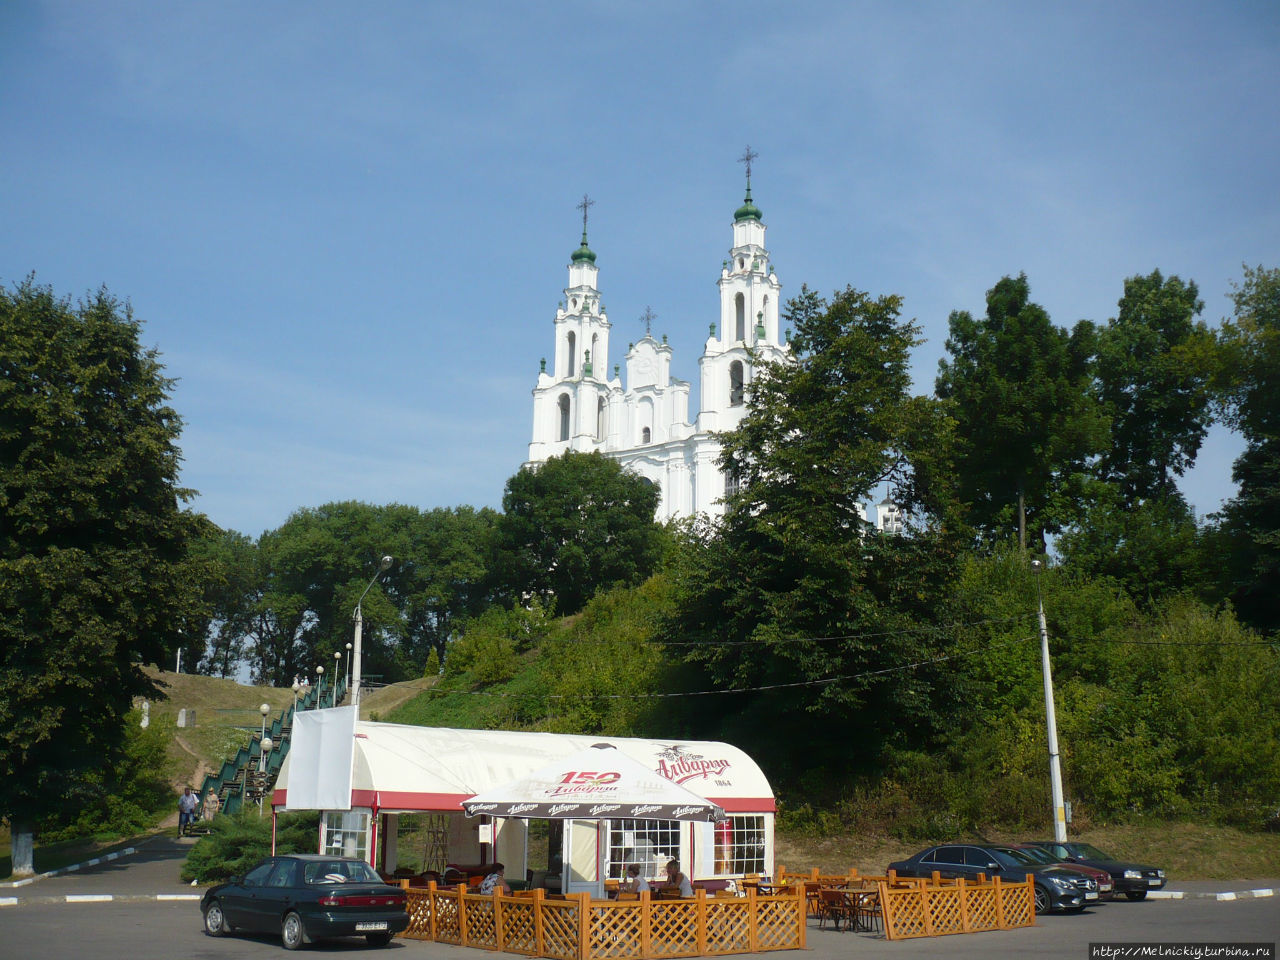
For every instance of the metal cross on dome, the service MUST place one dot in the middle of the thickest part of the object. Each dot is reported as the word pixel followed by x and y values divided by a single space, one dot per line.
pixel 586 204
pixel 647 319
pixel 747 156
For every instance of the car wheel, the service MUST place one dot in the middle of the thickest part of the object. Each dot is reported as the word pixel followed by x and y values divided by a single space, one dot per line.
pixel 292 932
pixel 1042 900
pixel 215 921
pixel 1136 894
pixel 377 939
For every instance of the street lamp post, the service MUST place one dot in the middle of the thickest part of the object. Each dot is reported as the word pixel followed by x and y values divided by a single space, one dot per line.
pixel 319 686
pixel 297 688
pixel 337 672
pixel 383 565
pixel 264 710
pixel 265 748
pixel 347 670
pixel 1051 720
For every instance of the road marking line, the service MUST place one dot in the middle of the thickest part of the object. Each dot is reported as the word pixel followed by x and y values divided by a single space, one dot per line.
pixel 8 901
pixel 89 898
pixel 1265 892
pixel 1226 896
pixel 177 896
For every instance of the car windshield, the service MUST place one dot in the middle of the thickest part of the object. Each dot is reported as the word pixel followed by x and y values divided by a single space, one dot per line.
pixel 1017 856
pixel 340 871
pixel 1088 851
pixel 1038 854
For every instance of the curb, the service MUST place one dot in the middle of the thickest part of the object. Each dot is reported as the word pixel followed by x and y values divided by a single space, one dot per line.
pixel 71 869
pixel 1231 895
pixel 100 898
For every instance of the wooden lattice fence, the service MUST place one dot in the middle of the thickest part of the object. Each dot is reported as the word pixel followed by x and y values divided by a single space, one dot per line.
pixel 923 908
pixel 576 927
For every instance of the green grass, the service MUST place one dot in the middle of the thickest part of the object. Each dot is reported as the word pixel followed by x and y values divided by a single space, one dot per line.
pixel 1185 851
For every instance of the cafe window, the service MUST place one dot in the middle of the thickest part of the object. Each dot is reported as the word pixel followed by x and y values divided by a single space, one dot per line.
pixel 650 843
pixel 740 846
pixel 346 834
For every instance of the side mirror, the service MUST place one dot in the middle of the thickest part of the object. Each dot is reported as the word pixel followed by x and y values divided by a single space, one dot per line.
pixel 993 867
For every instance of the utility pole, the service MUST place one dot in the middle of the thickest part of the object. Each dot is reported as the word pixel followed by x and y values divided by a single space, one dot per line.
pixel 1051 719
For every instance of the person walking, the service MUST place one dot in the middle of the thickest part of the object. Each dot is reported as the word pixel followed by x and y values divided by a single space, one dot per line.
pixel 187 804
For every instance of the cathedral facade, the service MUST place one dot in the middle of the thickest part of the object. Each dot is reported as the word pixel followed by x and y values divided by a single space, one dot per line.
pixel 580 403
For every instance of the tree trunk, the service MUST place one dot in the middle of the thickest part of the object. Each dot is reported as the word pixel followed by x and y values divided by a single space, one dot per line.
pixel 1022 520
pixel 23 845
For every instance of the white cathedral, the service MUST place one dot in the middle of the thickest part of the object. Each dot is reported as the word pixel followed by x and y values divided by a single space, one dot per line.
pixel 578 406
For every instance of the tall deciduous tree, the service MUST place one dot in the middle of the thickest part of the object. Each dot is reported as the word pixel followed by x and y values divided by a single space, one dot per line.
pixel 1155 373
pixel 794 596
pixel 1252 519
pixel 1017 387
pixel 311 571
pixel 573 525
pixel 92 543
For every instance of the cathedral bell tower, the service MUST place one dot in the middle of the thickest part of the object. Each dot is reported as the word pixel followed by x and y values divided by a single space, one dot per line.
pixel 570 401
pixel 747 334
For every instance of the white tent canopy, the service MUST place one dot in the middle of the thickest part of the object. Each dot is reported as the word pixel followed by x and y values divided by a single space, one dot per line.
pixel 597 782
pixel 402 768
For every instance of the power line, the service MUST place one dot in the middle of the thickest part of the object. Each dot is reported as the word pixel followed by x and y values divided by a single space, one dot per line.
pixel 707 693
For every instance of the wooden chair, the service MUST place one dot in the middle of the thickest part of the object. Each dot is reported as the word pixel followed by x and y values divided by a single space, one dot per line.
pixel 836 906
pixel 867 910
pixel 813 903
pixel 624 895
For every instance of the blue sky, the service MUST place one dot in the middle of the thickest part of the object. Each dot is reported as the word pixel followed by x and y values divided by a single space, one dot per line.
pixel 345 227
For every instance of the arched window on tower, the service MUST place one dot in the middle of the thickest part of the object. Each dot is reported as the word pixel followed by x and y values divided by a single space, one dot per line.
pixel 732 481
pixel 735 384
pixel 645 434
pixel 564 415
pixel 740 317
pixel 571 348
pixel 600 419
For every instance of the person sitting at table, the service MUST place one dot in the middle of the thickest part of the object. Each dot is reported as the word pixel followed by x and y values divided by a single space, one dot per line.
pixel 633 882
pixel 496 881
pixel 677 879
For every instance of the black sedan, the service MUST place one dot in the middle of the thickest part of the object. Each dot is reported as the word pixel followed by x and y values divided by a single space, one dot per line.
pixel 1056 888
pixel 1131 879
pixel 307 897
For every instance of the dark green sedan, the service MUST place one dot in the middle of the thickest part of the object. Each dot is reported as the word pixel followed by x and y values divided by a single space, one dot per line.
pixel 306 897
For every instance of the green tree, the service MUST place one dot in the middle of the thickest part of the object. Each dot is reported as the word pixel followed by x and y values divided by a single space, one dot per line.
pixel 1155 369
pixel 295 610
pixel 1017 387
pixel 793 597
pixel 93 543
pixel 573 525
pixel 1251 521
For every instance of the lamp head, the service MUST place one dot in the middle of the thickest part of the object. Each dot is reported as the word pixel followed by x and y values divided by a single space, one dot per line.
pixel 385 564
pixel 337 655
pixel 320 670
pixel 266 744
pixel 264 709
pixel 348 645
pixel 1036 565
pixel 296 687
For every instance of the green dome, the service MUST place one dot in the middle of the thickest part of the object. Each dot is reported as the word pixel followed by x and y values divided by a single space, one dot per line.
pixel 748 210
pixel 584 254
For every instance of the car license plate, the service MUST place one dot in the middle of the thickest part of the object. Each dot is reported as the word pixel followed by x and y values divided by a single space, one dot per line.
pixel 1104 888
pixel 372 925
pixel 1091 894
pixel 1153 882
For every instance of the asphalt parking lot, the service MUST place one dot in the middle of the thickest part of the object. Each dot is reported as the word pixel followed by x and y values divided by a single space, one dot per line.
pixel 38 921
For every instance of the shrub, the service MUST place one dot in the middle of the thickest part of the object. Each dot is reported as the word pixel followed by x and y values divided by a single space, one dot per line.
pixel 236 843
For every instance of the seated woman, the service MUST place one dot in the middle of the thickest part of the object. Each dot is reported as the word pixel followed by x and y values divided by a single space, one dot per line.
pixel 677 879
pixel 633 882
pixel 496 881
